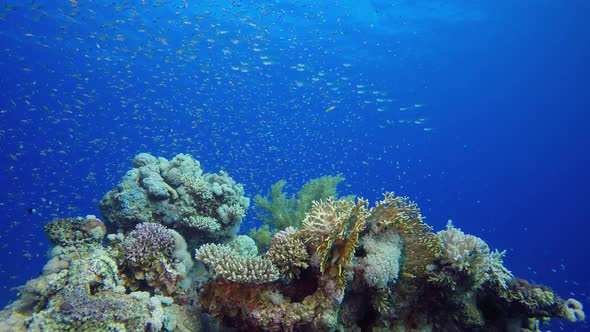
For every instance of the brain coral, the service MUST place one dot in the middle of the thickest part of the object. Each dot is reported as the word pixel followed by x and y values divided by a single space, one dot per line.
pixel 176 193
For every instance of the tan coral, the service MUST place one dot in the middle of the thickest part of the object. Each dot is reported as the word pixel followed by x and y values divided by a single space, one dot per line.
pixel 332 227
pixel 228 264
pixel 403 217
pixel 288 253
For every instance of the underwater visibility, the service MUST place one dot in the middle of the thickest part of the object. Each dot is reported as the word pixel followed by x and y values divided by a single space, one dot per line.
pixel 335 165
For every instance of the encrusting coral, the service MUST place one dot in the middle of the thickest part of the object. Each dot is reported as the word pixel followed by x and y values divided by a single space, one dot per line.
pixel 72 231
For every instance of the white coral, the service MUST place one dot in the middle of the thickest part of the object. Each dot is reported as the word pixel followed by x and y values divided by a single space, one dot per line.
pixel 381 264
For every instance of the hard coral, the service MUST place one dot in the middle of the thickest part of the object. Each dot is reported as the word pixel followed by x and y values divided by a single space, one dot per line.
pixel 288 253
pixel 229 265
pixel 470 260
pixel 332 227
pixel 177 194
pixel 148 243
pixel 403 217
pixel 75 231
pixel 150 259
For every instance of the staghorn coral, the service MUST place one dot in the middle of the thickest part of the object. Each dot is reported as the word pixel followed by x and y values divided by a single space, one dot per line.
pixel 177 194
pixel 288 253
pixel 332 227
pixel 229 265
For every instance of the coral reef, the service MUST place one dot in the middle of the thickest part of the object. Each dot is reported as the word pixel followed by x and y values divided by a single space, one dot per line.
pixel 176 193
pixel 331 265
pixel 379 269
pixel 81 289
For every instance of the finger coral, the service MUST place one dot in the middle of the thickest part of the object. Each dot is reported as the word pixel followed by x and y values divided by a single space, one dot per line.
pixel 155 257
pixel 147 243
pixel 288 253
pixel 229 265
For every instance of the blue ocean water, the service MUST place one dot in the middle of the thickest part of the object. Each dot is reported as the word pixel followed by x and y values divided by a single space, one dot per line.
pixel 477 110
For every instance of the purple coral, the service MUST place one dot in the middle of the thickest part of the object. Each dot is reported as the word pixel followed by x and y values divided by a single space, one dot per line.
pixel 148 242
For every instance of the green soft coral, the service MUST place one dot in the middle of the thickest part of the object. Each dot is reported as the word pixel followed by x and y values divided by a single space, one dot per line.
pixel 281 211
pixel 278 211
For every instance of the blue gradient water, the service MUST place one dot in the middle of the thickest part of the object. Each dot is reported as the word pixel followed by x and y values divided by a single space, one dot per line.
pixel 477 110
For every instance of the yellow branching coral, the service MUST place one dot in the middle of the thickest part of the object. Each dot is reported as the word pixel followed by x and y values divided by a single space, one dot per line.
pixel 228 264
pixel 403 217
pixel 288 253
pixel 333 228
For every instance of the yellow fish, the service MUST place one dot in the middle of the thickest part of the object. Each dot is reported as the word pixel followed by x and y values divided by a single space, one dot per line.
pixel 330 109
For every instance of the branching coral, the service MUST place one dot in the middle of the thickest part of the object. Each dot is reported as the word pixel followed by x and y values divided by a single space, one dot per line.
pixel 229 265
pixel 288 253
pixel 148 243
pixel 421 247
pixel 471 257
pixel 155 255
pixel 332 227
